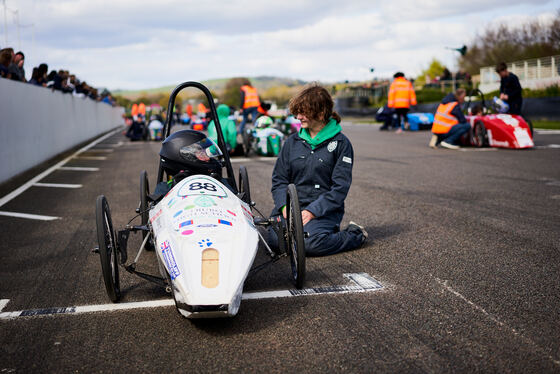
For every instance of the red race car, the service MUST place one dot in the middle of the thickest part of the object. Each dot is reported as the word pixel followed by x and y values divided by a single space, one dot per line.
pixel 494 129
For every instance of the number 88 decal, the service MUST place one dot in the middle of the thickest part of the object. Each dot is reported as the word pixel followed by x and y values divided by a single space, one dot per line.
pixel 195 186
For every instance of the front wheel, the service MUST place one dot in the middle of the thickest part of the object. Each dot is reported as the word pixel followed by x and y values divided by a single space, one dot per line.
pixel 144 206
pixel 296 244
pixel 480 135
pixel 244 190
pixel 107 248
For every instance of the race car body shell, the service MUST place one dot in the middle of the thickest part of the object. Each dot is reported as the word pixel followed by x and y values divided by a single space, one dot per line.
pixel 505 130
pixel 206 240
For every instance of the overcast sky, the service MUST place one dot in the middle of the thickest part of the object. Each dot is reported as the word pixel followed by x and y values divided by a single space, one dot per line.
pixel 133 44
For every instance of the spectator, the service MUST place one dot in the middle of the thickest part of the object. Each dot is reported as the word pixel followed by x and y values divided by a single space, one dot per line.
pixel 42 74
pixel 5 61
pixel 16 67
pixel 34 77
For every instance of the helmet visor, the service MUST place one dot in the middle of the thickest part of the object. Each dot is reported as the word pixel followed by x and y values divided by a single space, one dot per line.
pixel 204 150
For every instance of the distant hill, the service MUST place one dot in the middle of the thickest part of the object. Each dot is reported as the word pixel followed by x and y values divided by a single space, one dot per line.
pixel 261 83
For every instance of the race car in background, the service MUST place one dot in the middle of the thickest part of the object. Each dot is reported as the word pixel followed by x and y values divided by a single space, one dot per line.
pixel 491 128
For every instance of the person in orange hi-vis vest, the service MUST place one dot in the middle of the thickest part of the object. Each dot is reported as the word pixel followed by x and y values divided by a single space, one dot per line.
pixel 449 121
pixel 401 97
pixel 249 104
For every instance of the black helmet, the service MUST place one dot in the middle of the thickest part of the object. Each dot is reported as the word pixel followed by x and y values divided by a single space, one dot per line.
pixel 191 151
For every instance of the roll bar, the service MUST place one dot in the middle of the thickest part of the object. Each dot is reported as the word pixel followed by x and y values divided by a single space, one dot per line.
pixel 221 140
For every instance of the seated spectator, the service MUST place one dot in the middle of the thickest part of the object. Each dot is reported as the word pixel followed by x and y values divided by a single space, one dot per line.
pixel 5 61
pixel 16 67
pixel 35 77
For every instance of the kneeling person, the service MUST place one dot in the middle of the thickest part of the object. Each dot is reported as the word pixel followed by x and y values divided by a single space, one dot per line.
pixel 449 121
pixel 318 160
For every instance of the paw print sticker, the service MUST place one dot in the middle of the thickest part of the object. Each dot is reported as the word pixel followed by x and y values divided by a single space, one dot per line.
pixel 204 242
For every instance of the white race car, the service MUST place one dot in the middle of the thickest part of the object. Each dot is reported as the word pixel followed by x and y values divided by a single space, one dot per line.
pixel 200 224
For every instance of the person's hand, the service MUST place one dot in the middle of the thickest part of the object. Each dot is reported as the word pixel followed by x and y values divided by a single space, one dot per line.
pixel 306 216
pixel 503 96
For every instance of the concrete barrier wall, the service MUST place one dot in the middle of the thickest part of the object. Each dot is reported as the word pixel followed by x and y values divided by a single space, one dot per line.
pixel 37 124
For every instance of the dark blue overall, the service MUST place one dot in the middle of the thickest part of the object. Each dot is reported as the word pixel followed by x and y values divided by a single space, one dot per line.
pixel 322 177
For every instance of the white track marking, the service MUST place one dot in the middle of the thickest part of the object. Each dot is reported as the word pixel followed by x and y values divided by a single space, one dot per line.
pixel 444 284
pixel 548 132
pixel 77 168
pixel 37 178
pixel 100 158
pixel 3 303
pixel 28 216
pixel 548 146
pixel 477 149
pixel 100 150
pixel 360 282
pixel 57 185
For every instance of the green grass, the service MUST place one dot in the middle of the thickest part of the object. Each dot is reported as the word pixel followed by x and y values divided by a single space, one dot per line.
pixel 550 125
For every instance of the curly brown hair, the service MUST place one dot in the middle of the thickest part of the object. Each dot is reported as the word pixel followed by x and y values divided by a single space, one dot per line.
pixel 315 103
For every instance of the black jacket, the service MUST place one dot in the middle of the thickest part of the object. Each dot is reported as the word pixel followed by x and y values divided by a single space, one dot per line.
pixel 510 86
pixel 322 176
pixel 456 112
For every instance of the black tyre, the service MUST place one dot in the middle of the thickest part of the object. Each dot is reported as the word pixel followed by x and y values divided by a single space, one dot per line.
pixel 247 142
pixel 244 189
pixel 296 244
pixel 480 135
pixel 107 248
pixel 144 206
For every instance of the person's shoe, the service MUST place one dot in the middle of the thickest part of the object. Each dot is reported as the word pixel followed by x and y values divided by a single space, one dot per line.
pixel 433 141
pixel 448 145
pixel 399 130
pixel 353 226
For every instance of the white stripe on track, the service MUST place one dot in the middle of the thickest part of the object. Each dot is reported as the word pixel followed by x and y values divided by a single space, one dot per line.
pixel 100 158
pixel 77 168
pixel 548 132
pixel 100 150
pixel 28 216
pixel 3 303
pixel 360 282
pixel 57 185
pixel 37 178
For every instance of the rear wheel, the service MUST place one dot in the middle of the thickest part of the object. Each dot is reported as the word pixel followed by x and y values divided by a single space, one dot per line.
pixel 247 142
pixel 244 189
pixel 480 135
pixel 107 248
pixel 296 244
pixel 144 206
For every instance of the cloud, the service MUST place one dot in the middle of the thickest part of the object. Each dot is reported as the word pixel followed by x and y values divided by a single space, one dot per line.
pixel 143 43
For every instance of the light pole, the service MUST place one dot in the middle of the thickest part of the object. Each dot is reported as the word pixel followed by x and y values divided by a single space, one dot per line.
pixel 5 24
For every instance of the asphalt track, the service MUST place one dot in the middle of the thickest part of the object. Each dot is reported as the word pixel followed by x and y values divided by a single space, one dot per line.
pixel 464 243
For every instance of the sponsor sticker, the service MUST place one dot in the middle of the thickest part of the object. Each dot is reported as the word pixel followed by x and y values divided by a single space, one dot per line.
pixel 224 222
pixel 205 242
pixel 169 260
pixel 348 160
